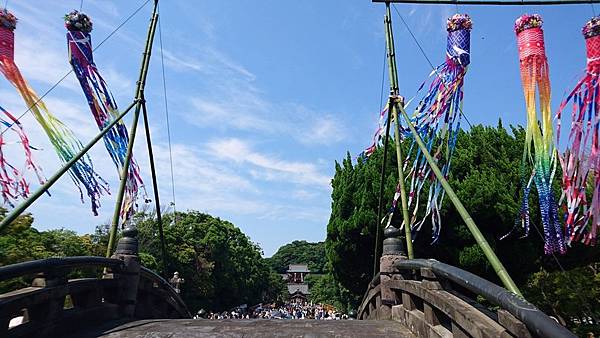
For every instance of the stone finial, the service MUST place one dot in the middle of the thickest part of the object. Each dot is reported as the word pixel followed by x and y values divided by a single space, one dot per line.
pixel 128 244
pixel 392 244
pixel 129 277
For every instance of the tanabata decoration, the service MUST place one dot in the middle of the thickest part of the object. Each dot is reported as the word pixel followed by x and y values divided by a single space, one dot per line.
pixel 377 136
pixel 539 151
pixel 581 162
pixel 62 138
pixel 102 103
pixel 13 184
pixel 437 120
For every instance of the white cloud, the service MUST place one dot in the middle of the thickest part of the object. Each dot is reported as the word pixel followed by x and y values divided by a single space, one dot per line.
pixel 41 62
pixel 323 130
pixel 272 168
pixel 230 99
pixel 195 174
pixel 258 187
pixel 302 194
pixel 236 114
pixel 248 111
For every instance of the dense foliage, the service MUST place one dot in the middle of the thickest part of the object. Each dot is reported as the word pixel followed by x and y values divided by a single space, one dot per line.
pixel 300 252
pixel 21 242
pixel 222 268
pixel 573 297
pixel 486 176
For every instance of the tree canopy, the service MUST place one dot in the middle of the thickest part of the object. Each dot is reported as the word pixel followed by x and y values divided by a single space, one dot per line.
pixel 300 252
pixel 221 266
pixel 485 175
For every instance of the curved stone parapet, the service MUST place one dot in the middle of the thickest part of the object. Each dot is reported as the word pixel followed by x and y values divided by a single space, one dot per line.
pixel 53 305
pixel 434 299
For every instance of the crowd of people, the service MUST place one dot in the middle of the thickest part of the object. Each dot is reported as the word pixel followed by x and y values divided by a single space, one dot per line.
pixel 285 311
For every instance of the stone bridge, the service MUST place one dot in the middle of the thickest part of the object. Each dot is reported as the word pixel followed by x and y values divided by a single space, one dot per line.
pixel 408 298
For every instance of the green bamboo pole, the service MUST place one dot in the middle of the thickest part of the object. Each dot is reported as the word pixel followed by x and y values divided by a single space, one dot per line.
pixel 391 51
pixel 394 101
pixel 141 83
pixel 41 190
pixel 123 181
pixel 407 225
pixel 479 238
pixel 155 188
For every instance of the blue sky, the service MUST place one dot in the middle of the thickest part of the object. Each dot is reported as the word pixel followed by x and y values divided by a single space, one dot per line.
pixel 265 95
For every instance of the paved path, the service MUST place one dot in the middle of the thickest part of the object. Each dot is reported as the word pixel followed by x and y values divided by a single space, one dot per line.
pixel 163 328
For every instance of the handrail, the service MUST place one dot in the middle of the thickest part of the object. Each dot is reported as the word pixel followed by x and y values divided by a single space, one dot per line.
pixel 49 264
pixel 166 285
pixel 373 283
pixel 535 320
pixel 154 275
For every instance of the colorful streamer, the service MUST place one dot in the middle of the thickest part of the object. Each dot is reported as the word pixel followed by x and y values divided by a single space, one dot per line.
pixel 437 119
pixel 581 162
pixel 64 141
pixel 377 136
pixel 102 103
pixel 539 150
pixel 13 184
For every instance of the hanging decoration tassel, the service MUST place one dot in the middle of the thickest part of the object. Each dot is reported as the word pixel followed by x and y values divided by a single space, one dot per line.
pixel 13 184
pixel 102 103
pixel 581 162
pixel 542 157
pixel 437 120
pixel 64 141
pixel 378 136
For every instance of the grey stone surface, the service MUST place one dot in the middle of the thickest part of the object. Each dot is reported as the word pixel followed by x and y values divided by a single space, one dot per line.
pixel 162 328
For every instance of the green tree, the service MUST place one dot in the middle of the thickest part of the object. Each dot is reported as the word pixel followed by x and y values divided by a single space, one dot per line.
pixel 324 289
pixel 573 297
pixel 300 252
pixel 220 264
pixel 485 175
pixel 20 242
pixel 222 268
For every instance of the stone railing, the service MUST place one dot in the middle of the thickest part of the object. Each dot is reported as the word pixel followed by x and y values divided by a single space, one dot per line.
pixel 54 305
pixel 433 299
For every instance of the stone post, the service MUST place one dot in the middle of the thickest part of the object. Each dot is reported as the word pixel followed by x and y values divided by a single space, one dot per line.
pixel 393 251
pixel 129 277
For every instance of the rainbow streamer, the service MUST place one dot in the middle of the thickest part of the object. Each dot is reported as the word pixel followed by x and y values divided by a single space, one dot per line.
pixel 64 141
pixel 581 161
pixel 437 120
pixel 13 184
pixel 542 157
pixel 102 103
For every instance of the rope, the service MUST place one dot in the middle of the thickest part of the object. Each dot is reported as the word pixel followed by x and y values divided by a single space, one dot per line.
pixel 426 57
pixel 80 5
pixel 71 70
pixel 383 167
pixel 164 80
pixel 382 79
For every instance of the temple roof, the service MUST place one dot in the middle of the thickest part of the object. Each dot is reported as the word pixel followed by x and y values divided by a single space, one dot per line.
pixel 298 268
